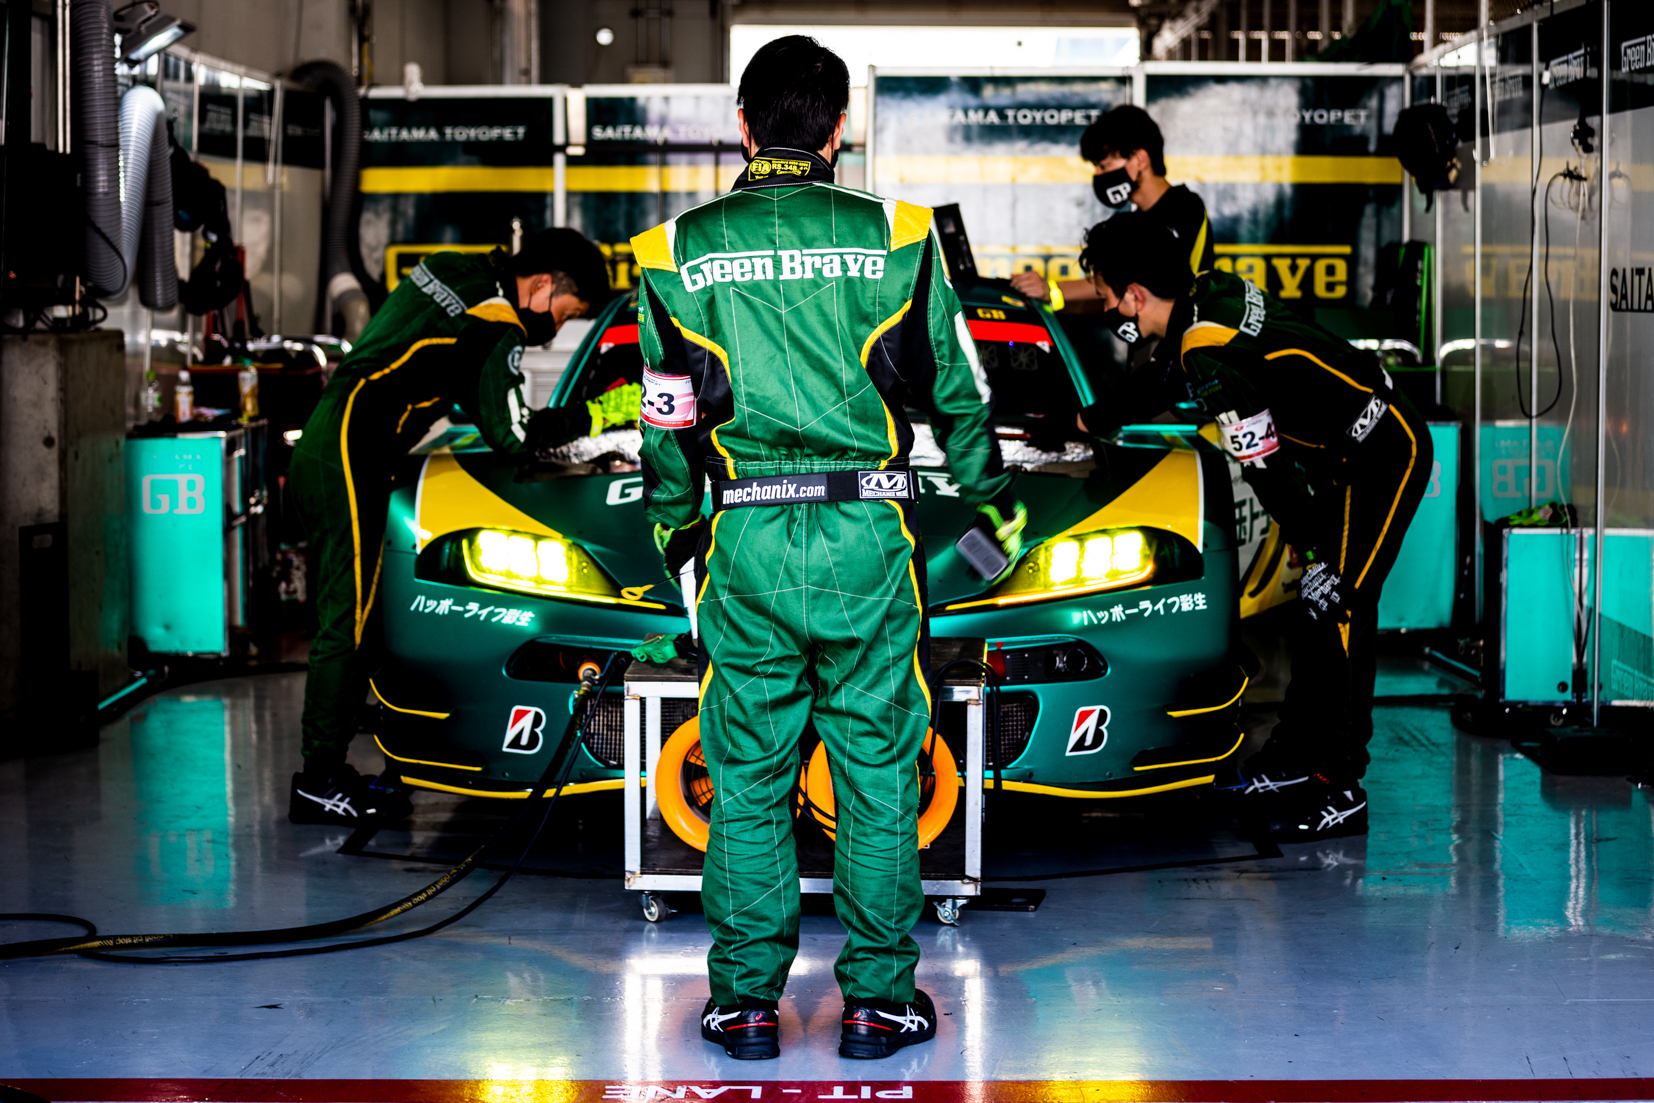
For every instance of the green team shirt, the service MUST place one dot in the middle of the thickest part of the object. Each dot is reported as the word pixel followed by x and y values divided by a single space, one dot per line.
pixel 448 335
pixel 785 328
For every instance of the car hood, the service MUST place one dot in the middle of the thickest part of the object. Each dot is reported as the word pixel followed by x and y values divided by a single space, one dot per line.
pixel 593 494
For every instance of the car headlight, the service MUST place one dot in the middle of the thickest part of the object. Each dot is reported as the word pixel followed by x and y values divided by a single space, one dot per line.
pixel 531 564
pixel 1078 563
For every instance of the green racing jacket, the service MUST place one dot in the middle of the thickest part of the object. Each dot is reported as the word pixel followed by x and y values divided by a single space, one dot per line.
pixel 768 353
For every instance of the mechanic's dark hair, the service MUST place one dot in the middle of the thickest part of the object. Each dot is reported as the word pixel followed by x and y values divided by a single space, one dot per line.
pixel 1135 247
pixel 576 265
pixel 793 91
pixel 1125 130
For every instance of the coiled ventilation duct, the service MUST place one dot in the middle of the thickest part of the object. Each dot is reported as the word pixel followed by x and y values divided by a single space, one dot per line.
pixel 98 142
pixel 146 199
pixel 345 295
pixel 126 170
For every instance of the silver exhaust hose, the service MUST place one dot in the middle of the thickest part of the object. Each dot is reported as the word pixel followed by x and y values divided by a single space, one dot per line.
pixel 146 199
pixel 97 141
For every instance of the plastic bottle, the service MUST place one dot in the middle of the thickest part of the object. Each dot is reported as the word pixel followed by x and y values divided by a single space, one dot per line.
pixel 184 397
pixel 151 397
pixel 247 382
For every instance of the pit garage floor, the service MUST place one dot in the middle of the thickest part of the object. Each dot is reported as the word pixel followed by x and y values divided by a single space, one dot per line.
pixel 1495 926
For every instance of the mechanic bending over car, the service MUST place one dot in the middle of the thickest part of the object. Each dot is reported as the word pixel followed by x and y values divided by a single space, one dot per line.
pixel 1335 454
pixel 1128 164
pixel 785 327
pixel 452 333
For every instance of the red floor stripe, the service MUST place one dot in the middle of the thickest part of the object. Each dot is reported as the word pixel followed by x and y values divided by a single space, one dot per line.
pixel 802 1091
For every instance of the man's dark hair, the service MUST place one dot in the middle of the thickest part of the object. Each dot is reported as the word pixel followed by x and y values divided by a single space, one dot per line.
pixel 1125 130
pixel 574 263
pixel 793 91
pixel 1135 247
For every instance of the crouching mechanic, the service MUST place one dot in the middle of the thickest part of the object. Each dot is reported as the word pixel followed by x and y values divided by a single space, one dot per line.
pixel 785 328
pixel 452 333
pixel 1335 455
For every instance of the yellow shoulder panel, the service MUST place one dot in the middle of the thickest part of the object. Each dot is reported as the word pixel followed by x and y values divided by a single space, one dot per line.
pixel 496 310
pixel 653 249
pixel 1206 334
pixel 912 223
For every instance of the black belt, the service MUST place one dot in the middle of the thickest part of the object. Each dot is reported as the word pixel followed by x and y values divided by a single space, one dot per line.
pixel 891 484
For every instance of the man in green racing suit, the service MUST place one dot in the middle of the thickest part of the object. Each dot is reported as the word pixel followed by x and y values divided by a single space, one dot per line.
pixel 785 326
pixel 452 333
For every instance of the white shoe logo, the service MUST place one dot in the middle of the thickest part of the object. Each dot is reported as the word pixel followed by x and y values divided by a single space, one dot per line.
pixel 1332 817
pixel 715 1021
pixel 1266 785
pixel 339 806
pixel 910 1021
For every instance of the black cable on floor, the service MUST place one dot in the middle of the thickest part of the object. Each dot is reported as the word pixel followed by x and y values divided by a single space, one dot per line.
pixel 561 763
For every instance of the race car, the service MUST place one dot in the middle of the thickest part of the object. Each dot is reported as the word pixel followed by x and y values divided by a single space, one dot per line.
pixel 1114 639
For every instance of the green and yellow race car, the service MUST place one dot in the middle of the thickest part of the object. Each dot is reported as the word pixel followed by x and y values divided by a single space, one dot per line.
pixel 1115 638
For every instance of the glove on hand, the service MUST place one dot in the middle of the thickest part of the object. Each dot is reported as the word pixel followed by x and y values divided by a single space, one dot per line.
pixel 678 546
pixel 619 406
pixel 1008 518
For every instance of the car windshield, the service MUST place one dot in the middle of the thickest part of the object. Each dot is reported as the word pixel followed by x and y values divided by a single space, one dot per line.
pixel 618 361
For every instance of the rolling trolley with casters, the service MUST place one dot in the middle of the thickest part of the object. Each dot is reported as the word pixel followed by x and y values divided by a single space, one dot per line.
pixel 662 697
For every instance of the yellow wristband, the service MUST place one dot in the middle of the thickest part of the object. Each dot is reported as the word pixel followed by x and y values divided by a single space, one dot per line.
pixel 1056 294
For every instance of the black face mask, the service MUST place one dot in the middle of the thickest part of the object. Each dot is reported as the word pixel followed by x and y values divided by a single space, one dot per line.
pixel 1124 328
pixel 1114 187
pixel 539 326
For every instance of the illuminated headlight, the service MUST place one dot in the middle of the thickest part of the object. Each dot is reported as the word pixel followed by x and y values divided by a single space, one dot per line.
pixel 530 564
pixel 1076 563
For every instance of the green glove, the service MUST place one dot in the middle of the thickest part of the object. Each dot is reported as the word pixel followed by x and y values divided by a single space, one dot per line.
pixel 1008 531
pixel 657 648
pixel 617 407
pixel 678 546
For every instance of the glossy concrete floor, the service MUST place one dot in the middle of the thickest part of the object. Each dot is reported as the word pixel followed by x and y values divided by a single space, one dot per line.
pixel 1496 923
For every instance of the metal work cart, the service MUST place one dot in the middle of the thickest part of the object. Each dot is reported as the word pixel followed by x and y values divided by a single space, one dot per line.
pixel 658 862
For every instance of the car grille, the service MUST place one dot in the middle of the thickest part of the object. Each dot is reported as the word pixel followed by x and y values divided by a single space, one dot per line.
pixel 606 730
pixel 1017 713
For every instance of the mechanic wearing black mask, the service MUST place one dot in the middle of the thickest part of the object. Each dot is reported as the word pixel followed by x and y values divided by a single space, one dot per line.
pixel 452 333
pixel 1127 155
pixel 1335 455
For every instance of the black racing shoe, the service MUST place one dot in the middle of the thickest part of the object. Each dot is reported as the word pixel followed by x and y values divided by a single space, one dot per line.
pixel 878 1028
pixel 1263 775
pixel 750 1032
pixel 343 796
pixel 1340 811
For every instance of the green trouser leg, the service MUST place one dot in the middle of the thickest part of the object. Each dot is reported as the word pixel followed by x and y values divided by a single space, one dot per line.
pixel 825 594
pixel 346 533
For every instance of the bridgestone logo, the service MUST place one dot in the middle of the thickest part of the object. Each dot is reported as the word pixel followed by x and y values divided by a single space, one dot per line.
pixel 791 264
pixel 788 491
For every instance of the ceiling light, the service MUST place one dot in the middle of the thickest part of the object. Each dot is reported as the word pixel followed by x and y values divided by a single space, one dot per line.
pixel 146 30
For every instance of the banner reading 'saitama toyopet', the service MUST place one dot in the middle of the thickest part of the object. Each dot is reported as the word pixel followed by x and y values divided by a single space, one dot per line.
pixel 1293 163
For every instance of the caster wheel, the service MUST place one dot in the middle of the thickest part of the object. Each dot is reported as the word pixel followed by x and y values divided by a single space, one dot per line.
pixel 947 912
pixel 656 909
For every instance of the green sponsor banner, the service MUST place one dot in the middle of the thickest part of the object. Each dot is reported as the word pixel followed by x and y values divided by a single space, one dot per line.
pixel 1297 173
pixel 1006 149
pixel 175 513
